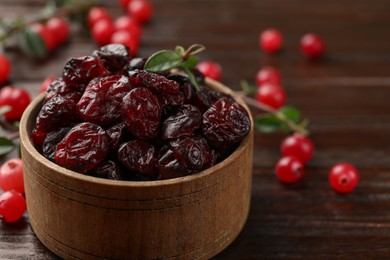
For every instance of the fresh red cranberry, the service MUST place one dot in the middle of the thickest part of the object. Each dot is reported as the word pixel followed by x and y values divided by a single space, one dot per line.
pixel 343 177
pixel 11 175
pixel 127 39
pixel 299 146
pixel 82 148
pixel 271 40
pixel 272 95
pixel 289 169
pixel 124 3
pixel 96 14
pixel 210 69
pixel 102 31
pixel 126 23
pixel 46 35
pixel 16 98
pixel 46 83
pixel 312 45
pixel 5 68
pixel 268 75
pixel 59 28
pixel 141 10
pixel 12 206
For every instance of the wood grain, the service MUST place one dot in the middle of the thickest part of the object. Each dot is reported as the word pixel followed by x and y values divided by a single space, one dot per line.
pixel 345 97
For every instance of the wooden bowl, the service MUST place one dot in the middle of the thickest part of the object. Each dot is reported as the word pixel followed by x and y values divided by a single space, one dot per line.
pixel 193 217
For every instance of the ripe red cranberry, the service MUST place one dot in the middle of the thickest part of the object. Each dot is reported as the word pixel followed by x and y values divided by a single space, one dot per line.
pixel 11 175
pixel 46 35
pixel 5 68
pixel 127 39
pixel 299 146
pixel 268 75
pixel 12 206
pixel 343 177
pixel 102 31
pixel 272 95
pixel 18 99
pixel 96 14
pixel 271 40
pixel 312 45
pixel 141 10
pixel 289 169
pixel 126 23
pixel 46 83
pixel 210 69
pixel 59 28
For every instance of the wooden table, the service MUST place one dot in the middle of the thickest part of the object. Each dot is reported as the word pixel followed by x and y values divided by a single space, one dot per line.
pixel 345 96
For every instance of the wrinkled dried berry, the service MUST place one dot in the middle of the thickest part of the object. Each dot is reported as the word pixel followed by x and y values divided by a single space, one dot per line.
pixel 199 76
pixel 202 99
pixel 51 141
pixel 56 113
pixel 141 111
pixel 58 86
pixel 192 152
pixel 136 64
pixel 109 170
pixel 115 57
pixel 158 84
pixel 172 100
pixel 225 123
pixel 138 156
pixel 182 123
pixel 116 135
pixel 80 71
pixel 185 86
pixel 82 148
pixel 168 166
pixel 101 101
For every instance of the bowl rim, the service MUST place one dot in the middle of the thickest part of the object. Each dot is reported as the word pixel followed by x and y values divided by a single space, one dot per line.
pixel 29 147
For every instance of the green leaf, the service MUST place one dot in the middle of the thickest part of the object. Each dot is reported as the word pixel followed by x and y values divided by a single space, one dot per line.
pixel 33 44
pixel 267 123
pixel 163 61
pixel 179 50
pixel 191 62
pixel 247 88
pixel 191 77
pixel 291 113
pixel 6 145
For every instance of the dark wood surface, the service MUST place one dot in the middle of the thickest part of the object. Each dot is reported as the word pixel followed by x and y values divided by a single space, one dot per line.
pixel 345 96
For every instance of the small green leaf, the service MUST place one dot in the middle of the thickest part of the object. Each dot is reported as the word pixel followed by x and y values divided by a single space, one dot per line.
pixel 163 61
pixel 191 77
pixel 33 44
pixel 6 145
pixel 291 113
pixel 248 89
pixel 267 123
pixel 4 109
pixel 179 50
pixel 191 62
pixel 195 49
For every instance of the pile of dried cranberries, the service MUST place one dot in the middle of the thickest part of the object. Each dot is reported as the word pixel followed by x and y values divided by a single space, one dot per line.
pixel 109 118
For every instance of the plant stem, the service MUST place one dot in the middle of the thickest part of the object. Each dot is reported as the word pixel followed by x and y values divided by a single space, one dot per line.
pixel 254 103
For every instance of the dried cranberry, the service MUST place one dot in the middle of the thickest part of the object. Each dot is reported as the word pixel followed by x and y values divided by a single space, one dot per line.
pixel 182 123
pixel 79 71
pixel 158 84
pixel 57 112
pixel 168 166
pixel 136 64
pixel 171 100
pixel 199 76
pixel 58 86
pixel 115 57
pixel 192 152
pixel 116 135
pixel 109 170
pixel 141 111
pixel 51 141
pixel 185 86
pixel 202 99
pixel 102 100
pixel 225 123
pixel 138 156
pixel 82 148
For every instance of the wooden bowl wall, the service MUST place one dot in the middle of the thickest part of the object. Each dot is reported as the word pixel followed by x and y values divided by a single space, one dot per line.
pixel 192 217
